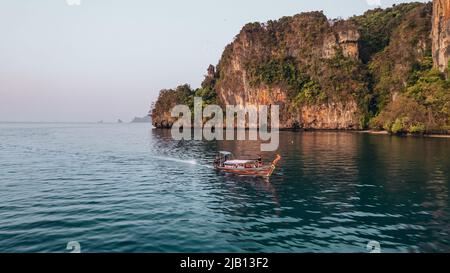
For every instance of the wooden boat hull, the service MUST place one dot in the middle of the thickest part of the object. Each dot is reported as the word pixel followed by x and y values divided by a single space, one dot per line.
pixel 263 171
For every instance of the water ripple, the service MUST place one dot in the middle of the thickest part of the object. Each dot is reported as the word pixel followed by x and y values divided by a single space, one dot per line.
pixel 128 188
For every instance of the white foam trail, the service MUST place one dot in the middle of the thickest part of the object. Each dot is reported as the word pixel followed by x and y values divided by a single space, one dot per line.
pixel 190 162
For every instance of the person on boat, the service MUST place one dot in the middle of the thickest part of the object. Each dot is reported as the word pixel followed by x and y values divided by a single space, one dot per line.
pixel 217 161
pixel 259 161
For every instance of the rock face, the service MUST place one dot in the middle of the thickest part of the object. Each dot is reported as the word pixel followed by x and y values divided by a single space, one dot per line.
pixel 441 33
pixel 164 121
pixel 337 116
pixel 348 38
pixel 344 36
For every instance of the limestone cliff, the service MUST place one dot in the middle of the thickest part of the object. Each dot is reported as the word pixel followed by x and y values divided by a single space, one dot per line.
pixel 441 33
pixel 334 74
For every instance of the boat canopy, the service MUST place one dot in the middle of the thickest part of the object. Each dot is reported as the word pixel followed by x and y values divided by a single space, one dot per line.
pixel 225 153
pixel 238 162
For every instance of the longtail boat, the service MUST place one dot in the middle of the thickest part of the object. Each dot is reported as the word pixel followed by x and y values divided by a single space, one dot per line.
pixel 225 162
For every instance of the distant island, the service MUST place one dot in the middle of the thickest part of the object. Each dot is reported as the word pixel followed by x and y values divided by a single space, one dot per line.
pixel 146 119
pixel 384 70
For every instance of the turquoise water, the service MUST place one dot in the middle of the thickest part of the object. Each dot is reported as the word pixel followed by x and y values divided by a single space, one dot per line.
pixel 130 188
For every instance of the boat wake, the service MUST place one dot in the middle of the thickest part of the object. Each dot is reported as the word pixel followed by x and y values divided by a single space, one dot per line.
pixel 183 161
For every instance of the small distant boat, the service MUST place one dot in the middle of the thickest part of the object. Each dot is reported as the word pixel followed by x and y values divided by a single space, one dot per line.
pixel 225 162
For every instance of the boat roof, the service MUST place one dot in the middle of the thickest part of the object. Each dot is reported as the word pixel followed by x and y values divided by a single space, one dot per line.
pixel 238 162
pixel 225 153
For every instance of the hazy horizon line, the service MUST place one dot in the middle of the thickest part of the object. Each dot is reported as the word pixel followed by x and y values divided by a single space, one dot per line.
pixel 73 122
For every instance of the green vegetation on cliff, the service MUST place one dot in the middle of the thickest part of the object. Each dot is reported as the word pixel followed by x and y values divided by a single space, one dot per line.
pixel 408 44
pixel 423 106
pixel 299 85
pixel 377 26
pixel 183 94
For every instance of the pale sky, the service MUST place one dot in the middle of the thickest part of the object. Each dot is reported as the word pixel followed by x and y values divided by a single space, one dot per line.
pixel 108 59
